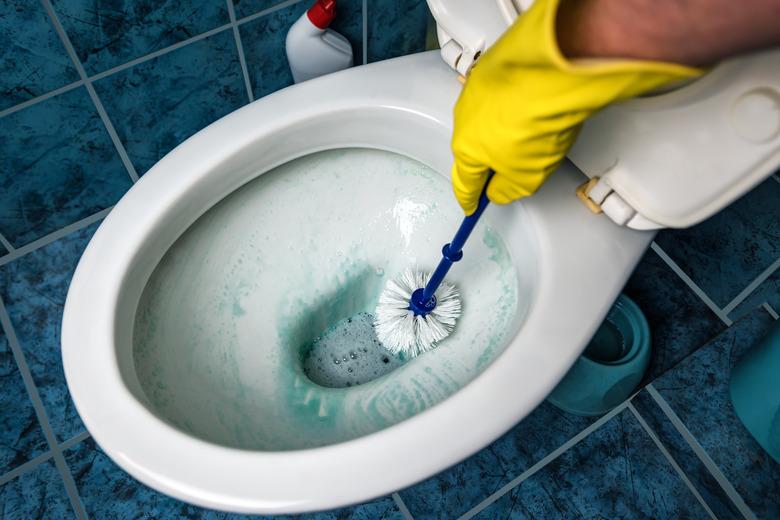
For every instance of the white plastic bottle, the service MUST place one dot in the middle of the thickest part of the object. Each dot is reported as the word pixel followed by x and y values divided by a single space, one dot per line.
pixel 312 48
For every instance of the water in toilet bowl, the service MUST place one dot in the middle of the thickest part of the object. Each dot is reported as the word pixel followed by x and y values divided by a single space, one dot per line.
pixel 349 354
pixel 228 317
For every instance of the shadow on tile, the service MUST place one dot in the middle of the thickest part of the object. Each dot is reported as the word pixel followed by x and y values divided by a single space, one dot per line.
pixel 396 28
pixel 679 321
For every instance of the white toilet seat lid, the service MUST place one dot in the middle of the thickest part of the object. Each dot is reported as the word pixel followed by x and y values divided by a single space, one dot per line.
pixel 467 27
pixel 675 159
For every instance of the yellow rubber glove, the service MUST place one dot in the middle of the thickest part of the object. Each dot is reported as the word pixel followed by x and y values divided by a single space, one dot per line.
pixel 523 104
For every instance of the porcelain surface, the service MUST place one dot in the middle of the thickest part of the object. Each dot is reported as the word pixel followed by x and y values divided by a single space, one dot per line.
pixel 227 315
pixel 563 266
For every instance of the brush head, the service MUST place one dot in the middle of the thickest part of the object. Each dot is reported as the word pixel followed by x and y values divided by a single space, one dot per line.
pixel 397 327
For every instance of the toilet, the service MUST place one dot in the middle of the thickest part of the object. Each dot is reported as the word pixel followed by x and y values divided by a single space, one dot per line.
pixel 191 309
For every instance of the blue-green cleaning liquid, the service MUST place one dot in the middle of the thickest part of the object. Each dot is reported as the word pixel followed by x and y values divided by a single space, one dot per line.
pixel 348 354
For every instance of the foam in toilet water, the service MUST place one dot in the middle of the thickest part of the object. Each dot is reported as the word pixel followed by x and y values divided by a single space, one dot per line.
pixel 242 330
pixel 349 354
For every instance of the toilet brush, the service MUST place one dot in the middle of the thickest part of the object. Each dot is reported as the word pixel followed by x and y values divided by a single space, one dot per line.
pixel 417 310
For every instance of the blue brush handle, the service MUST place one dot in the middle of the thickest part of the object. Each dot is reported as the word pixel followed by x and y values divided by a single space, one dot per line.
pixel 422 301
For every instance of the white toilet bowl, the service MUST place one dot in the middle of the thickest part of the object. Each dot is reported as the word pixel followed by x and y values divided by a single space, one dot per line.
pixel 185 319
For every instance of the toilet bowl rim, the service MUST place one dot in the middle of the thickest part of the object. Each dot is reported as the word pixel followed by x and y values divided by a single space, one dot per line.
pixel 166 465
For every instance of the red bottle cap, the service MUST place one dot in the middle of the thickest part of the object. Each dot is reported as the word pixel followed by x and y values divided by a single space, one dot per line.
pixel 322 13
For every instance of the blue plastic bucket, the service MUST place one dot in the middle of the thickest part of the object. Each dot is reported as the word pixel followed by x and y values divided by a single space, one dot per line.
pixel 611 366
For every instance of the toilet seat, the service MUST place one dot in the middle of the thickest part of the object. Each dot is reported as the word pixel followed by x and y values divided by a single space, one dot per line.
pixel 668 160
pixel 676 159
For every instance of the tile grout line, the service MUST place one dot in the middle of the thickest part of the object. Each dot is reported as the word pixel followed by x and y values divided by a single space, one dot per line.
pixel 259 14
pixel 54 235
pixel 43 97
pixel 68 444
pixel 690 283
pixel 159 52
pixel 120 148
pixel 544 461
pixel 680 472
pixel 399 502
pixel 752 286
pixel 6 243
pixel 90 89
pixel 70 485
pixel 364 33
pixel 40 412
pixel 768 308
pixel 240 48
pixel 28 466
pixel 202 36
pixel 701 453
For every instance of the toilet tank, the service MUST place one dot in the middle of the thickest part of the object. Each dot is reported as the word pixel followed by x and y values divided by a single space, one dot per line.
pixel 671 159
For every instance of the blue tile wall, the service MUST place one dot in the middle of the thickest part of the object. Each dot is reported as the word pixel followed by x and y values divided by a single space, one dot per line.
pixel 245 8
pixel 396 28
pixel 263 42
pixel 156 105
pixel 349 22
pixel 109 33
pixel 32 59
pixel 59 165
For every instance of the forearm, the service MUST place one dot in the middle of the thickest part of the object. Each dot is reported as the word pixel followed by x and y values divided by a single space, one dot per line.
pixel 692 32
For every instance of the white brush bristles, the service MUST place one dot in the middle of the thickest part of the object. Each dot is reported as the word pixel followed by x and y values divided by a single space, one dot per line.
pixel 396 326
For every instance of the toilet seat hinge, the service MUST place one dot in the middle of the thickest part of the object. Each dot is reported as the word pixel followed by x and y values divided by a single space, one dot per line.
pixel 583 193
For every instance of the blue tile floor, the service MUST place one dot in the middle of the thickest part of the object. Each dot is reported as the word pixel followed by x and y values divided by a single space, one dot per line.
pixel 675 451
pixel 726 252
pixel 615 472
pixel 697 391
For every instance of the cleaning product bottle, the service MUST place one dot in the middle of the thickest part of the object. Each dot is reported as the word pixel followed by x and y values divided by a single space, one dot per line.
pixel 312 48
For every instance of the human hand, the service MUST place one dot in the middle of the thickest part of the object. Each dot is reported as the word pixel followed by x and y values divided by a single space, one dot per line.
pixel 523 104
